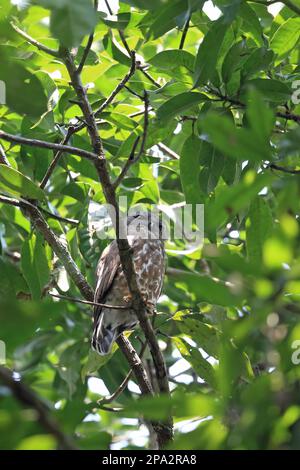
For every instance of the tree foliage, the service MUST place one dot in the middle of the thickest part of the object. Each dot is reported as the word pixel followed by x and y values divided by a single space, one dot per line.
pixel 223 131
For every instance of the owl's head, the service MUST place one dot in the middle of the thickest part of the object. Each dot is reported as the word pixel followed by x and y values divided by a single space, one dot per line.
pixel 145 225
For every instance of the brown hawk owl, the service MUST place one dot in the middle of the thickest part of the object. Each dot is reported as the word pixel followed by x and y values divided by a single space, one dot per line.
pixel 144 230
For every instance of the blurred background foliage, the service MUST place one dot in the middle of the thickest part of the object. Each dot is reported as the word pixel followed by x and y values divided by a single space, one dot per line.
pixel 224 132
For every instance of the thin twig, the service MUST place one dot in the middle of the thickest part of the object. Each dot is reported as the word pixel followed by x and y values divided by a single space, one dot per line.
pixel 184 32
pixel 287 115
pixel 151 79
pixel 127 164
pixel 14 202
pixel 88 46
pixel 13 255
pixel 168 151
pixel 119 87
pixel 287 3
pixel 133 92
pixel 273 166
pixel 87 302
pixel 50 215
pixel 123 385
pixel 29 398
pixel 132 159
pixel 122 36
pixel 125 43
pixel 70 132
pixel 146 124
pixel 3 158
pixel 34 42
pixel 136 364
pixel 47 145
pixel 108 7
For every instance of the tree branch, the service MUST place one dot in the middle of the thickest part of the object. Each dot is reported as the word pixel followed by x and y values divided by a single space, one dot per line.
pixel 34 42
pixel 123 385
pixel 125 250
pixel 287 115
pixel 164 431
pixel 63 254
pixel 27 396
pixel 136 364
pixel 184 32
pixel 33 213
pixel 47 145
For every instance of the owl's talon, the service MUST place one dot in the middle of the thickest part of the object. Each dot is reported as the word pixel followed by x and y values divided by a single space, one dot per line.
pixel 127 298
pixel 150 309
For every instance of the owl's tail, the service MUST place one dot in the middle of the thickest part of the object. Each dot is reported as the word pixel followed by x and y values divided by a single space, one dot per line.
pixel 103 336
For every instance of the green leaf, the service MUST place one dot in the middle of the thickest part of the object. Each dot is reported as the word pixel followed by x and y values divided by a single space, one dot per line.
pixel 23 91
pixel 178 104
pixel 145 4
pixel 234 59
pixel 202 367
pixel 208 52
pixel 14 182
pixel 172 58
pixel 201 166
pixel 238 143
pixel 190 169
pixel 115 51
pixel 258 228
pixel 180 404
pixel 31 353
pixel 166 17
pixel 206 289
pixel 205 335
pixel 261 118
pixel 35 266
pixel 272 90
pixel 121 22
pixel 73 20
pixel 251 22
pixel 38 442
pixel 212 166
pixel 232 199
pixel 95 362
pixel 286 36
pixel 259 59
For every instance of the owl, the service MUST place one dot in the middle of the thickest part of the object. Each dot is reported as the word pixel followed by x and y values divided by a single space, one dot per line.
pixel 145 236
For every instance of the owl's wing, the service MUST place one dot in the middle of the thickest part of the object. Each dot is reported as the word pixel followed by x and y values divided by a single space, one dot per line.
pixel 106 271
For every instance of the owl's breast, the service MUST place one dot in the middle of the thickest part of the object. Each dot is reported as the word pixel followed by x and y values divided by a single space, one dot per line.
pixel 149 263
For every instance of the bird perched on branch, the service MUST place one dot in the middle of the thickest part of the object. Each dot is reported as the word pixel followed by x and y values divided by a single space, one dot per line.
pixel 144 233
